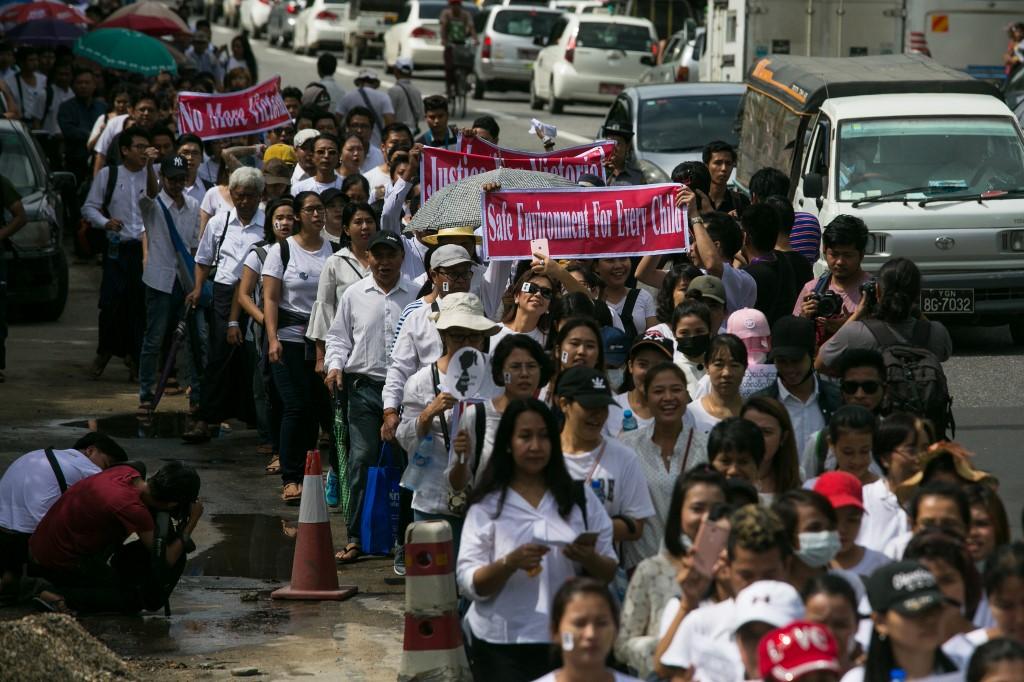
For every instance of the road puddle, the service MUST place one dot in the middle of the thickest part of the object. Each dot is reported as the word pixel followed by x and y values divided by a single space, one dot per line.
pixel 254 546
pixel 156 425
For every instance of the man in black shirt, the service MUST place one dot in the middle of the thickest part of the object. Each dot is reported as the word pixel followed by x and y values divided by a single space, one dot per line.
pixel 776 290
pixel 720 158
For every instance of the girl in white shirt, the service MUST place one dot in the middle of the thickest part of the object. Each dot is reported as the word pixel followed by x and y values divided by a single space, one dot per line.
pixel 647 351
pixel 577 344
pixel 691 329
pixel 529 528
pixel 780 468
pixel 727 363
pixel 528 307
pixel 671 293
pixel 584 622
pixel 289 290
pixel 897 446
pixel 614 272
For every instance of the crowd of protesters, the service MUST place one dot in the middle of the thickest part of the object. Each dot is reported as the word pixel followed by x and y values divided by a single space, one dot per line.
pixel 721 441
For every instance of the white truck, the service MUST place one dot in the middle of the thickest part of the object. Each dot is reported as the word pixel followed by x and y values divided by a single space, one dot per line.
pixel 969 35
pixel 364 25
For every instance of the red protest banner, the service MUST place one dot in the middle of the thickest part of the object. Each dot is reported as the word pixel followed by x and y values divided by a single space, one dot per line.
pixel 584 222
pixel 440 167
pixel 228 114
pixel 476 145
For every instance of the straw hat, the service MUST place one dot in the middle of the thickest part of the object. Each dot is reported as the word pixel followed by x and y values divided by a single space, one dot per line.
pixel 467 231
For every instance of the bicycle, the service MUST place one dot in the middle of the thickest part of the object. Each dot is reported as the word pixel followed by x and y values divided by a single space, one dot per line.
pixel 462 63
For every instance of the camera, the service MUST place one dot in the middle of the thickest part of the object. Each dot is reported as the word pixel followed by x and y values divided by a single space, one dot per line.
pixel 869 291
pixel 830 304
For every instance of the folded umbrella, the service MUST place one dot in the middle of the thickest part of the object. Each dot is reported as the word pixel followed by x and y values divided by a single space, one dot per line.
pixel 151 18
pixel 458 204
pixel 42 9
pixel 125 50
pixel 40 32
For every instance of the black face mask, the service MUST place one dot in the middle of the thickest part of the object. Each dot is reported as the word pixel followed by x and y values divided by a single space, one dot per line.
pixel 693 346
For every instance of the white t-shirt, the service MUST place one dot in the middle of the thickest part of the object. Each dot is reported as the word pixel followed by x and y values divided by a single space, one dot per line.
pixel 643 309
pixel 616 413
pixel 378 178
pixel 960 647
pixel 504 330
pixel 29 486
pixel 298 282
pixel 618 677
pixel 884 519
pixel 857 675
pixel 704 642
pixel 694 371
pixel 618 479
pixel 701 418
pixel 213 201
pixel 314 185
pixel 869 562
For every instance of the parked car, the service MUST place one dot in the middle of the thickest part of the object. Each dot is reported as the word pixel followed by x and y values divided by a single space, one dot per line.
pixel 364 26
pixel 673 122
pixel 319 26
pixel 680 60
pixel 253 15
pixel 504 60
pixel 37 269
pixel 417 34
pixel 591 58
pixel 281 22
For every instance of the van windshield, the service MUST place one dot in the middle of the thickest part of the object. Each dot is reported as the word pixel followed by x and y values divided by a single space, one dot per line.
pixel 921 157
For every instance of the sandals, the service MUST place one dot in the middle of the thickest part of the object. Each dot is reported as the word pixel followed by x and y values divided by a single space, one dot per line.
pixel 349 555
pixel 51 606
pixel 274 467
pixel 291 493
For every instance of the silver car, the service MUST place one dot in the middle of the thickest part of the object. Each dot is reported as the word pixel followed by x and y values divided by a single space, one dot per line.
pixel 673 122
pixel 680 61
pixel 504 59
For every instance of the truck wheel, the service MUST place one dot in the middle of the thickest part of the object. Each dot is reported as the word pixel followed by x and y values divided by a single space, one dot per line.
pixel 51 310
pixel 1017 330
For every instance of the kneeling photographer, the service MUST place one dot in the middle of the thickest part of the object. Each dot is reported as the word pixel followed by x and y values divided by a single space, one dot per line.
pixel 79 546
pixel 831 299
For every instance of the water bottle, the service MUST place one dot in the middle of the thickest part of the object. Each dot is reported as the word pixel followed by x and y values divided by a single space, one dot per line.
pixel 897 675
pixel 629 421
pixel 113 244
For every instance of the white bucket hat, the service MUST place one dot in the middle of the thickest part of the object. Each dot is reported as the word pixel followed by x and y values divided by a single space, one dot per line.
pixel 463 311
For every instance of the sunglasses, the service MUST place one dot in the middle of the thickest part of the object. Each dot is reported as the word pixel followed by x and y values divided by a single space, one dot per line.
pixel 851 387
pixel 531 288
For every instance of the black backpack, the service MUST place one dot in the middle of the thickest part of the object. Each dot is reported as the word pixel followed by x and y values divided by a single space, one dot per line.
pixel 914 375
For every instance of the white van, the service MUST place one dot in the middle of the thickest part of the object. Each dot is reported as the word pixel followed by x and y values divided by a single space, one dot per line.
pixel 928 157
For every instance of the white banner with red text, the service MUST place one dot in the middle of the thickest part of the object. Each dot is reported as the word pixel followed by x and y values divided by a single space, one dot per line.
pixel 228 114
pixel 584 222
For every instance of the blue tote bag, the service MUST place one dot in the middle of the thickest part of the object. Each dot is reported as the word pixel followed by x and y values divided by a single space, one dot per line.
pixel 379 526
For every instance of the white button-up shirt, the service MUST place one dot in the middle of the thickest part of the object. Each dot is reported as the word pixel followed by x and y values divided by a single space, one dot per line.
pixel 520 612
pixel 110 132
pixel 29 487
pixel 340 271
pixel 417 343
pixel 805 415
pixel 124 202
pixel 366 315
pixel 237 242
pixel 161 268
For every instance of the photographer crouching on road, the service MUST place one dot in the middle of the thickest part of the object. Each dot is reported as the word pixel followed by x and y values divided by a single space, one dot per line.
pixel 831 299
pixel 80 548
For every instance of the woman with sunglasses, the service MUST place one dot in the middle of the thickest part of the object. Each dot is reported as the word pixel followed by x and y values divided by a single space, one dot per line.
pixel 347 265
pixel 290 276
pixel 528 307
pixel 279 225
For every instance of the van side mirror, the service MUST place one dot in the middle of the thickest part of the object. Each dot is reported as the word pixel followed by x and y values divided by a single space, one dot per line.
pixel 814 185
pixel 647 60
pixel 540 41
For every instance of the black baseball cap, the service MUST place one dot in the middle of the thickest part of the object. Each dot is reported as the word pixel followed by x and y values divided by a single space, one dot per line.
pixel 386 238
pixel 174 166
pixel 332 193
pixel 906 587
pixel 656 340
pixel 586 386
pixel 792 338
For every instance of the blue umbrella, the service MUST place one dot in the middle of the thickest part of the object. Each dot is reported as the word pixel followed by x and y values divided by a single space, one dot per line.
pixel 45 32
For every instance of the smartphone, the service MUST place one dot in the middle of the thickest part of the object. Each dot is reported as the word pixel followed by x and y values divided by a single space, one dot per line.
pixel 586 539
pixel 540 246
pixel 708 546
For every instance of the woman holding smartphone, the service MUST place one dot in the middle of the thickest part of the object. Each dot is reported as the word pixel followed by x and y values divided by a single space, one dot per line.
pixel 529 528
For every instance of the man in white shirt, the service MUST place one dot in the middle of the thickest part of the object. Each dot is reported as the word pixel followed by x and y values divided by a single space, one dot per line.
pixel 703 637
pixel 325 156
pixel 190 147
pixel 809 401
pixel 406 98
pixel 305 166
pixel 367 95
pixel 397 136
pixel 227 382
pixel 142 115
pixel 358 355
pixel 203 57
pixel 57 92
pixel 113 205
pixel 28 87
pixel 326 66
pixel 31 485
pixel 162 211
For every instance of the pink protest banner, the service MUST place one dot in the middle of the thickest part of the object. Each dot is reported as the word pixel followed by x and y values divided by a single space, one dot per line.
pixel 228 114
pixel 440 167
pixel 584 222
pixel 476 145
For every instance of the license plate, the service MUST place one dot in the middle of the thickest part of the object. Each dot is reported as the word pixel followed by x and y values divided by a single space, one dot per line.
pixel 526 54
pixel 947 301
pixel 610 88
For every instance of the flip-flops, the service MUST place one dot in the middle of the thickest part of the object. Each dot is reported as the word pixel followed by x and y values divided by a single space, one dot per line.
pixel 274 467
pixel 349 555
pixel 291 493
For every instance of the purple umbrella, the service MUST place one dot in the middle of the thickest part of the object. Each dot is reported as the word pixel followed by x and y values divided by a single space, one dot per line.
pixel 45 32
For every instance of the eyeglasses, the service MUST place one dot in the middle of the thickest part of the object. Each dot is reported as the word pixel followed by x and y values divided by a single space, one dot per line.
pixel 457 276
pixel 531 288
pixel 312 210
pixel 464 337
pixel 851 387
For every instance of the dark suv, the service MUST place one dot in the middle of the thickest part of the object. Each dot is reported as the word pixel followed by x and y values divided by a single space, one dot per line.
pixel 37 269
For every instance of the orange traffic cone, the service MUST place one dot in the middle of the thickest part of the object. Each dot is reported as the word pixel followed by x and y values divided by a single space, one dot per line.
pixel 314 576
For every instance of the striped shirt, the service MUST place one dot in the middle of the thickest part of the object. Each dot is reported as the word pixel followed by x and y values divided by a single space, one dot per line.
pixel 805 237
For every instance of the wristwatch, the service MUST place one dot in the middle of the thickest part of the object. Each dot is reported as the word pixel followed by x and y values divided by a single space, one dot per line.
pixel 697 219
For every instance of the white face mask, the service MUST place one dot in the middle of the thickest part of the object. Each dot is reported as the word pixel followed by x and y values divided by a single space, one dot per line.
pixel 818 549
